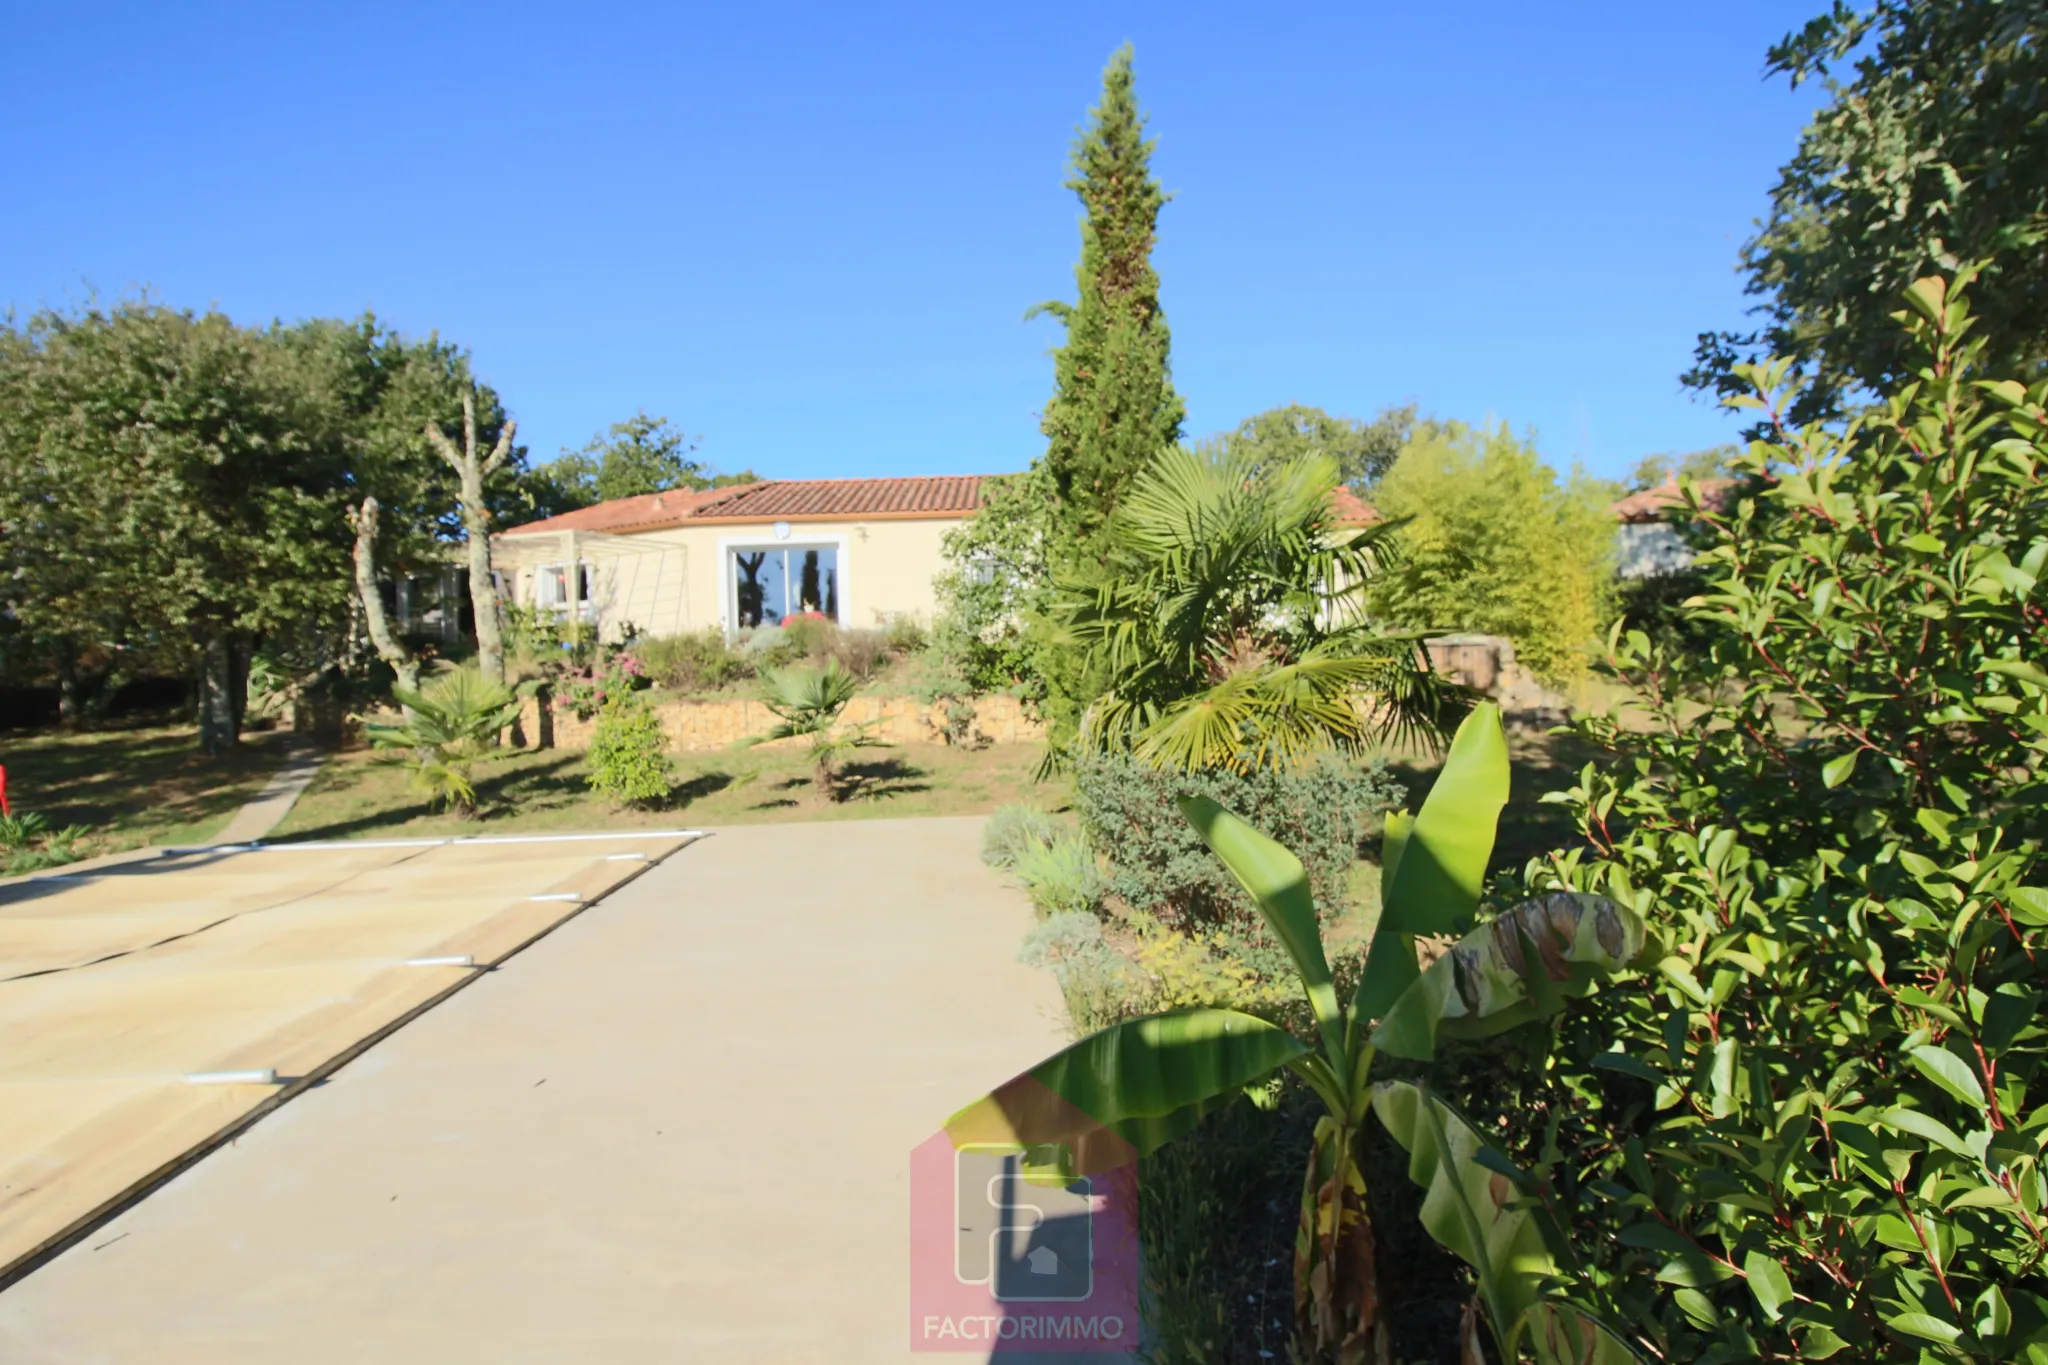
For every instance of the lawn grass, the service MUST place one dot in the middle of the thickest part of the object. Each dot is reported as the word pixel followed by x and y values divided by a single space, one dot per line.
pixel 134 785
pixel 361 795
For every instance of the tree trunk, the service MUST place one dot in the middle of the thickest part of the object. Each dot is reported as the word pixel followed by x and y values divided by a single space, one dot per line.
pixel 483 589
pixel 68 711
pixel 386 644
pixel 220 717
pixel 471 470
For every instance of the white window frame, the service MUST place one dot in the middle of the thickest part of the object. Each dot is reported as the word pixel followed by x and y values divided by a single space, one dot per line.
pixel 588 585
pixel 837 542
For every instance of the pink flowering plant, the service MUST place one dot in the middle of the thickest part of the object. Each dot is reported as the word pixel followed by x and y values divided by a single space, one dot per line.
pixel 584 691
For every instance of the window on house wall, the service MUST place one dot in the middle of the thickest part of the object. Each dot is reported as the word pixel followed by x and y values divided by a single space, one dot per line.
pixel 771 583
pixel 551 586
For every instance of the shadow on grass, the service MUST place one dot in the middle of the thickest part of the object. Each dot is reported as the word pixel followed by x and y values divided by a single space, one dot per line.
pixel 532 787
pixel 874 780
pixel 110 778
pixel 501 795
pixel 698 787
pixel 881 778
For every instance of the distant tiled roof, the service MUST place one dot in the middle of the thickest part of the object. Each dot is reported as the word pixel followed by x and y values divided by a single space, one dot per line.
pixel 1650 504
pixel 944 495
pixel 643 513
pixel 930 496
pixel 1352 510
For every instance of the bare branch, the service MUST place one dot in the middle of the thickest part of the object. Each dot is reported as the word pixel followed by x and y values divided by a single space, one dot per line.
pixel 445 447
pixel 502 450
pixel 469 422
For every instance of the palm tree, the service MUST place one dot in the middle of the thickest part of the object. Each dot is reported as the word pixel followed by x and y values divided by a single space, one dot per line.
pixel 809 701
pixel 1227 621
pixel 449 724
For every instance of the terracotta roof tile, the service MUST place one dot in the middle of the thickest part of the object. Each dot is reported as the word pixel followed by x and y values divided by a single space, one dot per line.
pixel 643 513
pixel 1352 510
pixel 934 496
pixel 946 495
pixel 1650 504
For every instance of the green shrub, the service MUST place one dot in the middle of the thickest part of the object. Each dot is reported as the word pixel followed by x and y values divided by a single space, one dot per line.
pixel 859 652
pixel 936 676
pixel 1096 983
pixel 696 661
pixel 1159 865
pixel 28 844
pixel 996 580
pixel 628 755
pixel 810 637
pixel 1012 829
pixel 1216 1235
pixel 20 831
pixel 1817 1131
pixel 769 647
pixel 957 725
pixel 1061 876
pixel 904 635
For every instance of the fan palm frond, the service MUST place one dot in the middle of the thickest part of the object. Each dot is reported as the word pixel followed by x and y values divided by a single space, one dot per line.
pixel 809 702
pixel 450 722
pixel 1228 620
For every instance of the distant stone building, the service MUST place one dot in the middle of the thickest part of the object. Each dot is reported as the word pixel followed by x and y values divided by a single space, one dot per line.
pixel 1649 543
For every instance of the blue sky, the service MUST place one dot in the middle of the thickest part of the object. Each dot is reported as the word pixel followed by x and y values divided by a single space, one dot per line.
pixel 809 232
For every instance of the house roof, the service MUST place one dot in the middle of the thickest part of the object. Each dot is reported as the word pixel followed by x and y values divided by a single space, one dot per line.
pixel 1651 504
pixel 947 495
pixel 922 497
pixel 926 497
pixel 1350 509
pixel 641 513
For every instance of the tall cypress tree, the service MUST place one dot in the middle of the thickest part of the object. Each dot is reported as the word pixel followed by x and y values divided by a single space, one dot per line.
pixel 1114 407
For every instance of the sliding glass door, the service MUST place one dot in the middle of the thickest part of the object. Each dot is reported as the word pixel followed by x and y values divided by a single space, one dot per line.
pixel 771 583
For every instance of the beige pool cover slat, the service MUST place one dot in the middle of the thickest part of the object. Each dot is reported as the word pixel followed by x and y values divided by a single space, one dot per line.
pixel 117 983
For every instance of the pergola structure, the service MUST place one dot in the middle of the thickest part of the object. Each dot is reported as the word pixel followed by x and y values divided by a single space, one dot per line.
pixel 636 585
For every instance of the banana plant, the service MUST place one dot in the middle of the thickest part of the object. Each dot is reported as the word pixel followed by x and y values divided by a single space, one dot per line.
pixel 1127 1090
pixel 1488 1212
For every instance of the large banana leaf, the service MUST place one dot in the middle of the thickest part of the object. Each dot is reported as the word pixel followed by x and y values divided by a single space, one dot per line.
pixel 1470 1206
pixel 1435 886
pixel 1435 864
pixel 1279 884
pixel 1125 1091
pixel 1521 967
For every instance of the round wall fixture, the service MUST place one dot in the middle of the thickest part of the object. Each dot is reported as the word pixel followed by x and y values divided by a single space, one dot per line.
pixel 782 530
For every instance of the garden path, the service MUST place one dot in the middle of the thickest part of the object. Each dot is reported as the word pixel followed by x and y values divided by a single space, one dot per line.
pixel 303 757
pixel 677 1129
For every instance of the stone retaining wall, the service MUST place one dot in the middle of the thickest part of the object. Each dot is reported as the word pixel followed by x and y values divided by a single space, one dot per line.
pixel 700 725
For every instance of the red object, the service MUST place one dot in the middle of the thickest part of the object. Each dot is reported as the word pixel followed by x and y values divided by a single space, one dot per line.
pixel 4 809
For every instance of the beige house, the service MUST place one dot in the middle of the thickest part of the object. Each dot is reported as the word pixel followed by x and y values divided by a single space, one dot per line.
pixel 861 552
